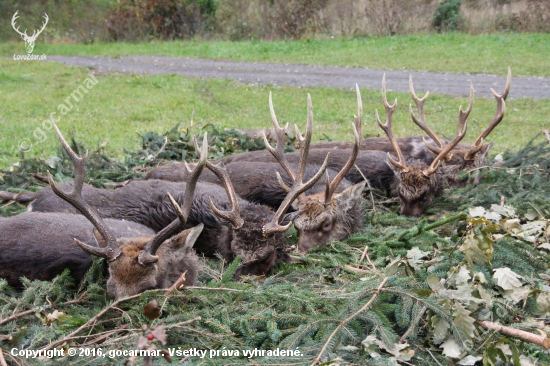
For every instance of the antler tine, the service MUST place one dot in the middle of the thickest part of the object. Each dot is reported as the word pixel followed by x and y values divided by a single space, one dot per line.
pixel 499 115
pixel 359 117
pixel 74 198
pixel 148 255
pixel 460 133
pixel 298 187
pixel 233 216
pixel 277 152
pixel 401 163
pixel 421 121
pixel 342 173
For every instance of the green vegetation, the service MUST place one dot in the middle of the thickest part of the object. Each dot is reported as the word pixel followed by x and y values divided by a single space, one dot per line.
pixel 120 107
pixel 447 16
pixel 421 295
pixel 527 54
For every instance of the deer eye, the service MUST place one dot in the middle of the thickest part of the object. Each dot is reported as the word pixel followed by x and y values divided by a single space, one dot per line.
pixel 327 226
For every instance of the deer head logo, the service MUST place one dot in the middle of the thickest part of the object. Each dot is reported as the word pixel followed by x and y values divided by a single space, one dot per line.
pixel 29 40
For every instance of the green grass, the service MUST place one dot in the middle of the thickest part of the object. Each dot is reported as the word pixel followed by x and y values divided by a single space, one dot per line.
pixel 528 54
pixel 120 106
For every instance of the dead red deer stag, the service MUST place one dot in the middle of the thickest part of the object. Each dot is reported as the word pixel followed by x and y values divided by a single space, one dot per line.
pixel 137 260
pixel 324 215
pixel 275 228
pixel 418 147
pixel 416 183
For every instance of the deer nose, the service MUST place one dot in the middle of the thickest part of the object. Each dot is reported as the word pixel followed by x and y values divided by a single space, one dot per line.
pixel 410 212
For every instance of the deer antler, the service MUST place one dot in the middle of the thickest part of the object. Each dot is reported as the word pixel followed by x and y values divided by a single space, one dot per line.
pixel 499 115
pixel 298 187
pixel 331 188
pixel 421 122
pixel 460 133
pixel 400 163
pixel 277 152
pixel 74 198
pixel 233 216
pixel 148 255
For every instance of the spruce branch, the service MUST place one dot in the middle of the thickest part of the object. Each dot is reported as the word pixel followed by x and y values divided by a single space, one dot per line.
pixel 90 322
pixel 540 340
pixel 348 319
pixel 32 311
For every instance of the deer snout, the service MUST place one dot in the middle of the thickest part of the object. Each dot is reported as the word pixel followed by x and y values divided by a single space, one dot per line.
pixel 411 211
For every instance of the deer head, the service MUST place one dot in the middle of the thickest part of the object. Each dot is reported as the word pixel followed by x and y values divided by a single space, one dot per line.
pixel 29 40
pixel 140 263
pixel 325 216
pixel 418 184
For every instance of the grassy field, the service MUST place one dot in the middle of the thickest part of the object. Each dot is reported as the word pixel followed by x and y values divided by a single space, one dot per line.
pixel 528 54
pixel 121 106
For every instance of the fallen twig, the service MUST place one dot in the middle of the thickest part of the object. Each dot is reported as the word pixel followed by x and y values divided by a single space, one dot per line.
pixel 364 254
pixel 348 319
pixel 368 184
pixel 177 285
pixel 32 311
pixel 541 340
pixel 92 320
pixel 357 270
pixel 41 178
pixel 100 336
pixel 2 359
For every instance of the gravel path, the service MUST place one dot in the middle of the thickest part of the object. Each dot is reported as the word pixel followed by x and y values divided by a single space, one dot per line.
pixel 303 76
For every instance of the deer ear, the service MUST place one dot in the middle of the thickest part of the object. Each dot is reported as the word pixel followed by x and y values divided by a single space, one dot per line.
pixel 394 169
pixel 99 239
pixel 191 238
pixel 186 239
pixel 350 195
pixel 482 155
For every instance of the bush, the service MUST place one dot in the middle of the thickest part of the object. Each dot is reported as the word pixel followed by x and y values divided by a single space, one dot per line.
pixel 447 16
pixel 134 20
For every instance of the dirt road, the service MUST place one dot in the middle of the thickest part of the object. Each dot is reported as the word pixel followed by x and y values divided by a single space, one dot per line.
pixel 304 76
